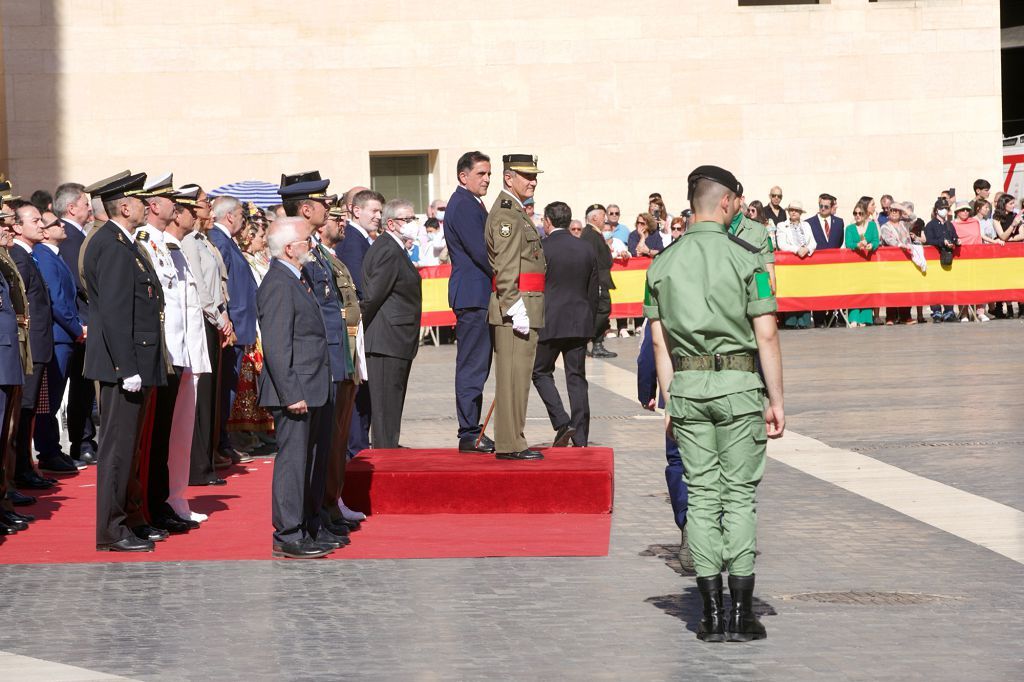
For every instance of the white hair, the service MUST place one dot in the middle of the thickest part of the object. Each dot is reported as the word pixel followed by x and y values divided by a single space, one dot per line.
pixel 225 205
pixel 281 233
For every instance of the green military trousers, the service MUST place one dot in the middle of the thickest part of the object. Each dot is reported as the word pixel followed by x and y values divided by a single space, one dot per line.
pixel 722 443
pixel 513 372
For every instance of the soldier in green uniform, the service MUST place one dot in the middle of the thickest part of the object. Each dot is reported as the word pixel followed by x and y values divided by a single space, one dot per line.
pixel 711 308
pixel 516 310
pixel 755 234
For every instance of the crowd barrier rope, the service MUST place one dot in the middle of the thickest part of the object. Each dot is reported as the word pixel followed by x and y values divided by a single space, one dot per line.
pixel 827 280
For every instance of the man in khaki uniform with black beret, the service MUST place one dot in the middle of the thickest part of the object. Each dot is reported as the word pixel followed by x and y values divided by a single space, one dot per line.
pixel 516 310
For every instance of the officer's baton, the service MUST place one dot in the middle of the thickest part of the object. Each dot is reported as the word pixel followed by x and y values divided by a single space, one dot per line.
pixel 486 421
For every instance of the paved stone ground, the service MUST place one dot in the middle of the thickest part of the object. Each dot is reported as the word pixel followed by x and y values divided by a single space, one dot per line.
pixel 942 402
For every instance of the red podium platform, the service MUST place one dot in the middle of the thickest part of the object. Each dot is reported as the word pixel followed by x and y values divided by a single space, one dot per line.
pixel 424 503
pixel 445 481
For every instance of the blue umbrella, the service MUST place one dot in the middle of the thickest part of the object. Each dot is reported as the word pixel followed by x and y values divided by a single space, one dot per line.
pixel 262 194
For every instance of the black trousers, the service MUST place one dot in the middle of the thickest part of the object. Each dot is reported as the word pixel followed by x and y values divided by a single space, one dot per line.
pixel 337 448
pixel 23 434
pixel 574 356
pixel 604 311
pixel 10 398
pixel 300 470
pixel 118 484
pixel 389 377
pixel 157 482
pixel 201 470
pixel 81 400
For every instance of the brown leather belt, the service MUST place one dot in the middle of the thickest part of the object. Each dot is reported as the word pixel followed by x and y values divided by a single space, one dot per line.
pixel 743 362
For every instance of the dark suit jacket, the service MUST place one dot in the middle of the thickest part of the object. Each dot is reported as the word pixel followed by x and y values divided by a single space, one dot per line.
pixel 294 341
pixel 470 283
pixel 837 232
pixel 351 251
pixel 70 251
pixel 40 326
pixel 67 325
pixel 603 253
pixel 241 287
pixel 570 288
pixel 125 302
pixel 321 279
pixel 11 373
pixel 392 300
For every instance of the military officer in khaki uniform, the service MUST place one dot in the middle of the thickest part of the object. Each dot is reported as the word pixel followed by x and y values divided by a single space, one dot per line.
pixel 712 309
pixel 516 309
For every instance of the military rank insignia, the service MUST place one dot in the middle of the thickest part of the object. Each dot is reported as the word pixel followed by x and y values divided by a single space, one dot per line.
pixel 143 235
pixel 141 266
pixel 505 230
pixel 506 203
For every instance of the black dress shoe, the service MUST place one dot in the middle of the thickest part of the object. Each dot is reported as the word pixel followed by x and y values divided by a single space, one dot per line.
pixel 486 446
pixel 192 525
pixel 212 481
pixel 522 454
pixel 172 526
pixel 6 529
pixel 9 519
pixel 326 537
pixel 77 463
pixel 337 528
pixel 348 523
pixel 28 518
pixel 87 456
pixel 563 436
pixel 129 544
pixel 33 481
pixel 301 549
pixel 150 533
pixel 57 465
pixel 20 499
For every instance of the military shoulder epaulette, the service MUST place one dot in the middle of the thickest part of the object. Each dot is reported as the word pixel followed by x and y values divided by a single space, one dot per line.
pixel 143 235
pixel 506 203
pixel 173 247
pixel 746 245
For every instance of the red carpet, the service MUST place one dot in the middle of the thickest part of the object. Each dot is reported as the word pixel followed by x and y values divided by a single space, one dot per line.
pixel 239 526
pixel 443 481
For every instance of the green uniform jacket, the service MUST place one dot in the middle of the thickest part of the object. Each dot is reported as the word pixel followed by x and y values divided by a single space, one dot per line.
pixel 705 289
pixel 755 234
pixel 513 249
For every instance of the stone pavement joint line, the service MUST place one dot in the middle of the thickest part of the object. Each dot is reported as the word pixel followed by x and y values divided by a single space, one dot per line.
pixel 976 519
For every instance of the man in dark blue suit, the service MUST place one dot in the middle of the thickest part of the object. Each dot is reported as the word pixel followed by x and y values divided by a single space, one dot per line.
pixel 469 293
pixel 68 334
pixel 228 221
pixel 647 393
pixel 366 206
pixel 827 229
pixel 29 230
pixel 72 206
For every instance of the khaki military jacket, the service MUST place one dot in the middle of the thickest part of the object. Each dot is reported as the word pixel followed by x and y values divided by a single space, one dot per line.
pixel 347 288
pixel 20 305
pixel 513 250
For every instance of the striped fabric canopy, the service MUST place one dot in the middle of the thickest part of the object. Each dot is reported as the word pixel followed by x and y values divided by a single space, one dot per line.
pixel 262 194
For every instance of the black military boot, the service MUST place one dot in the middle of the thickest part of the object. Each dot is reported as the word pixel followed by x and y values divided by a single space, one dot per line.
pixel 743 625
pixel 712 624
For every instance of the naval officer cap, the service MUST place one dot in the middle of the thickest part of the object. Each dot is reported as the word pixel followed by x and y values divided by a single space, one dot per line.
pixel 186 196
pixel 520 163
pixel 309 189
pixel 295 178
pixel 7 192
pixel 714 174
pixel 124 184
pixel 159 186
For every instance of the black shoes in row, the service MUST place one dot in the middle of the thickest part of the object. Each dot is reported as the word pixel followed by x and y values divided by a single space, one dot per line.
pixel 742 625
pixel 332 535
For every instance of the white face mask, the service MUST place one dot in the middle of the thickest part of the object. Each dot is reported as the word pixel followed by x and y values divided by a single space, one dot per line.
pixel 942 213
pixel 440 216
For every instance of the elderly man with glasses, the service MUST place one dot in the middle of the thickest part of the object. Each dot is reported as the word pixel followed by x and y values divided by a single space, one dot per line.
pixel 619 230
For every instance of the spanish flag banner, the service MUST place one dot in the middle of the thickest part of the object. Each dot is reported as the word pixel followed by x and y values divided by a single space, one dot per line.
pixel 828 280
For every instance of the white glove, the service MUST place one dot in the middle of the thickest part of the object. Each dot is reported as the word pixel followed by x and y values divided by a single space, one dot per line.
pixel 132 384
pixel 520 320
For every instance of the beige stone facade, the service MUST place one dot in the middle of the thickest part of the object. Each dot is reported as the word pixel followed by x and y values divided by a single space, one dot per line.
pixel 617 99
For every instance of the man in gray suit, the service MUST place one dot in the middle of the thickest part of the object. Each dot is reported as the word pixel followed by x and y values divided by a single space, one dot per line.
pixel 391 305
pixel 294 386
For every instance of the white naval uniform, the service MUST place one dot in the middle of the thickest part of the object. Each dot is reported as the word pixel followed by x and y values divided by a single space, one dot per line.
pixel 185 340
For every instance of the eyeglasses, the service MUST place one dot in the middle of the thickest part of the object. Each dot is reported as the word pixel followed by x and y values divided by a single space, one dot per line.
pixel 775 196
pixel 613 213
pixel 404 220
pixel 858 213
pixel 442 208
pixel 824 206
